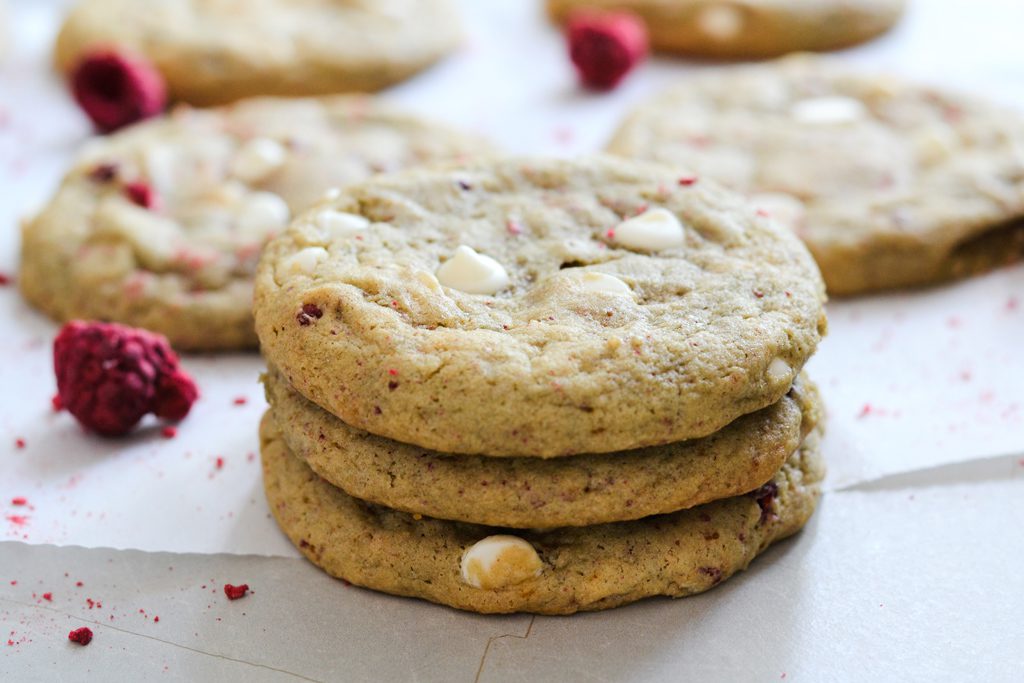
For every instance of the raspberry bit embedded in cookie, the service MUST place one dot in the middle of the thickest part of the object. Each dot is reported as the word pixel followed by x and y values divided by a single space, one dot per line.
pixel 109 376
pixel 605 46
pixel 115 89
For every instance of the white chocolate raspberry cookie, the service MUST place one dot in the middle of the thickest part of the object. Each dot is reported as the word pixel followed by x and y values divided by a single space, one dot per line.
pixel 890 184
pixel 217 51
pixel 484 569
pixel 526 307
pixel 749 28
pixel 160 226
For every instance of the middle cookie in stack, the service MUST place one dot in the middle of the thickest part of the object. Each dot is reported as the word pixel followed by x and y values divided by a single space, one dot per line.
pixel 593 348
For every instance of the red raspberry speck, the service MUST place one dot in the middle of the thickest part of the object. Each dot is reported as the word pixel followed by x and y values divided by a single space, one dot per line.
pixel 688 180
pixel 240 400
pixel 235 592
pixel 109 376
pixel 57 404
pixel 309 314
pixel 219 463
pixel 82 636
pixel 20 500
pixel 19 443
pixel 4 280
pixel 605 46
pixel 115 89
pixel 48 597
pixel 156 620
pixel 141 194
pixel 169 432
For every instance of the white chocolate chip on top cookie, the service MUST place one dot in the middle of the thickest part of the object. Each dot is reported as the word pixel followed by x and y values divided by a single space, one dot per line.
pixel 473 273
pixel 652 230
pixel 720 22
pixel 593 281
pixel 500 561
pixel 779 371
pixel 340 224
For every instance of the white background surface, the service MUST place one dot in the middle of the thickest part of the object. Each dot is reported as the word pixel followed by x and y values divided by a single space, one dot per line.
pixel 912 565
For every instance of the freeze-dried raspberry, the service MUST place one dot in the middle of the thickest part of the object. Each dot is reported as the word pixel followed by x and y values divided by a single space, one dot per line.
pixel 235 592
pixel 82 636
pixel 109 376
pixel 142 194
pixel 605 46
pixel 116 89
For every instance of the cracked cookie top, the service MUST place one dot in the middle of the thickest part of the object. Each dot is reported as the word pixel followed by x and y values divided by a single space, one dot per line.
pixel 538 307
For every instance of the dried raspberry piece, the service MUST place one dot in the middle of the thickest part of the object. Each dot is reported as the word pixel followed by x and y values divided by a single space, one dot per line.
pixel 235 592
pixel 142 194
pixel 109 376
pixel 765 497
pixel 116 89
pixel 605 46
pixel 82 636
pixel 309 314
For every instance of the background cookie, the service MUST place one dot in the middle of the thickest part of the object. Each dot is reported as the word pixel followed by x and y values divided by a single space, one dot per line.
pixel 586 568
pixel 534 493
pixel 160 226
pixel 890 184
pixel 750 28
pixel 531 296
pixel 216 51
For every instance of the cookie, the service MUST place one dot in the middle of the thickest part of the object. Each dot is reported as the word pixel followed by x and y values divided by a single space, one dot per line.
pixel 534 493
pixel 749 28
pixel 528 307
pixel 890 184
pixel 484 569
pixel 218 51
pixel 160 225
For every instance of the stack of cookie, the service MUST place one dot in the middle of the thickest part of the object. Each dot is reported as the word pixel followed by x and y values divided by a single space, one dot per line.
pixel 536 385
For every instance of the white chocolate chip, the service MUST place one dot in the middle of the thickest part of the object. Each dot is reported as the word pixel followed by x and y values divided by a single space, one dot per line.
pixel 302 262
pixel 779 371
pixel 473 273
pixel 340 224
pixel 785 208
pixel 653 230
pixel 428 280
pixel 262 213
pixel 721 22
pixel 500 561
pixel 257 159
pixel 593 281
pixel 934 144
pixel 830 110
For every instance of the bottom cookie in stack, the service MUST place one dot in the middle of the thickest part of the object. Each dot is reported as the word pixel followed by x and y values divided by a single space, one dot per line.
pixel 494 568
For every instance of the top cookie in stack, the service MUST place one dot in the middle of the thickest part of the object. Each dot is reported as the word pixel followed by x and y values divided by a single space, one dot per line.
pixel 541 309
pixel 601 354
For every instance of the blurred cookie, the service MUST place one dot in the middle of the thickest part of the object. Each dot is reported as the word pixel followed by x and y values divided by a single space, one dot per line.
pixel 538 307
pixel 749 28
pixel 483 569
pixel 217 51
pixel 535 493
pixel 890 184
pixel 160 226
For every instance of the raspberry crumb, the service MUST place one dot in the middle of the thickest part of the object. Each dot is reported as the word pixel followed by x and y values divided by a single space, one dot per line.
pixel 4 280
pixel 109 376
pixel 308 314
pixel 605 46
pixel 169 432
pixel 56 403
pixel 141 194
pixel 156 620
pixel 240 400
pixel 19 443
pixel 20 500
pixel 235 592
pixel 513 227
pixel 82 636
pixel 48 597
pixel 115 89
pixel 219 463
pixel 688 180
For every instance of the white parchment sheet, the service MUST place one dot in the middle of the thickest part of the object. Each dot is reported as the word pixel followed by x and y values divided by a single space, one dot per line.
pixel 910 570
